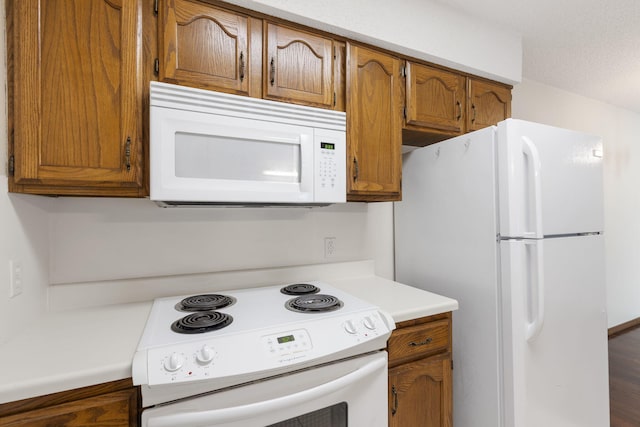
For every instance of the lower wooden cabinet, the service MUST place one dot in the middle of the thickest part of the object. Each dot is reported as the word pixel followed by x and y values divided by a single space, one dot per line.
pixel 420 380
pixel 114 404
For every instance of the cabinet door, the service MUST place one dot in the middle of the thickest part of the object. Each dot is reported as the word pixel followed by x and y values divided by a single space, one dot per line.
pixel 298 67
pixel 435 99
pixel 75 85
pixel 207 47
pixel 420 393
pixel 488 104
pixel 117 409
pixel 374 125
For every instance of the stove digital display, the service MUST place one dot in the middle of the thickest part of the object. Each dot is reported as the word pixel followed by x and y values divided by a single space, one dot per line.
pixel 285 339
pixel 327 145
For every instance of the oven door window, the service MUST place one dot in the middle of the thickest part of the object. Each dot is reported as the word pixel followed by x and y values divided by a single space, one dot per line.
pixel 333 416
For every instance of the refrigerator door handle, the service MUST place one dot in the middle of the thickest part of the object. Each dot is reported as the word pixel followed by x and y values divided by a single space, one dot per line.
pixel 531 152
pixel 535 291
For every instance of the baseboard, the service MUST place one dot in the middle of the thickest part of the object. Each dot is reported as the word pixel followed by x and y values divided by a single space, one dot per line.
pixel 623 327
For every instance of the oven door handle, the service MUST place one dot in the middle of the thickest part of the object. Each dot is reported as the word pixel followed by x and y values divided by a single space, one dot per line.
pixel 237 413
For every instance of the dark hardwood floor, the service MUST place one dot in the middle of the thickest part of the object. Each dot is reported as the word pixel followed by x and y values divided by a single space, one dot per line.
pixel 624 379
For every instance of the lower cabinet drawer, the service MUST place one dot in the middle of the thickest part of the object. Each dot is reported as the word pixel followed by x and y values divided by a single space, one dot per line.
pixel 419 341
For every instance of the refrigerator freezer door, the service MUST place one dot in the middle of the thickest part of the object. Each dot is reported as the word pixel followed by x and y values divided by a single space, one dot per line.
pixel 445 231
pixel 550 180
pixel 558 378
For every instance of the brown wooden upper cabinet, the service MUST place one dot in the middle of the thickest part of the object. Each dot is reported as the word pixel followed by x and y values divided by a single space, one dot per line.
pixel 441 104
pixel 435 99
pixel 374 125
pixel 488 103
pixel 75 97
pixel 211 48
pixel 298 66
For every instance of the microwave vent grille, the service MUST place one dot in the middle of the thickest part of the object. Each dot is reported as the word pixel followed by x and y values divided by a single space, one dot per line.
pixel 207 101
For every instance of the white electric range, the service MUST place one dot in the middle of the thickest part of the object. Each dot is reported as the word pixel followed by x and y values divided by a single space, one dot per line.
pixel 289 341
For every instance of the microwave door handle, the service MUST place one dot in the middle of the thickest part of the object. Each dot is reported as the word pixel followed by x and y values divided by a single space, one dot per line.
pixel 306 163
pixel 238 413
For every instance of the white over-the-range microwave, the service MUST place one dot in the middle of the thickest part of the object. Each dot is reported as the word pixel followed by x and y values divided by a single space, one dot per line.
pixel 211 148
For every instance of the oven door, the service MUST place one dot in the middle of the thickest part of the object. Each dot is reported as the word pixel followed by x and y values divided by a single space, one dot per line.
pixel 351 393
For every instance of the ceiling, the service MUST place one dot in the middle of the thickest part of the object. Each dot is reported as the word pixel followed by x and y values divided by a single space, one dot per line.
pixel 588 47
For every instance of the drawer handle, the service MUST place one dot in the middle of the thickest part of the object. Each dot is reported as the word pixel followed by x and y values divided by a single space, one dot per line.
pixel 425 342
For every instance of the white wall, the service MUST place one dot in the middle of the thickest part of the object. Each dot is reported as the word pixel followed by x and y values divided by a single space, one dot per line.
pixel 424 29
pixel 23 234
pixel 105 239
pixel 620 130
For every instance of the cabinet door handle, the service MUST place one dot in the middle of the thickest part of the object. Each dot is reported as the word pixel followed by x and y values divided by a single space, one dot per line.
pixel 127 154
pixel 459 110
pixel 355 169
pixel 394 407
pixel 241 66
pixel 473 118
pixel 273 71
pixel 425 342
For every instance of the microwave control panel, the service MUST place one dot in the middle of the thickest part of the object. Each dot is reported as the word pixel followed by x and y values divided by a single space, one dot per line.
pixel 330 167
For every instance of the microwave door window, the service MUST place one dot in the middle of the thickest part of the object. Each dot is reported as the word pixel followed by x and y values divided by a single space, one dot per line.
pixel 236 159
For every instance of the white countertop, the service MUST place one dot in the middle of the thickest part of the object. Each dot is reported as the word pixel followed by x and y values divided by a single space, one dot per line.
pixel 71 349
pixel 82 347
pixel 401 301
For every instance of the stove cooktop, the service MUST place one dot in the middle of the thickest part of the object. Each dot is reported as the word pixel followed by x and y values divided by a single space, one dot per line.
pixel 262 334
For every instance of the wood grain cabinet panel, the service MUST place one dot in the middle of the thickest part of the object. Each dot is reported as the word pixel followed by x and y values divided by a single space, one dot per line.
pixel 488 104
pixel 420 377
pixel 207 47
pixel 298 66
pixel 418 341
pixel 374 125
pixel 114 404
pixel 75 96
pixel 420 393
pixel 435 99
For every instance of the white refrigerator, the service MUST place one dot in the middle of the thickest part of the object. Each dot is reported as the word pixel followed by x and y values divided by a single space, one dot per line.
pixel 508 220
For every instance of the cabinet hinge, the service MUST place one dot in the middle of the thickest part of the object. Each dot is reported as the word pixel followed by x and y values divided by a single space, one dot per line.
pixel 12 165
pixel 403 72
pixel 452 364
pixel 156 66
pixel 155 7
pixel 334 53
pixel 335 99
pixel 404 111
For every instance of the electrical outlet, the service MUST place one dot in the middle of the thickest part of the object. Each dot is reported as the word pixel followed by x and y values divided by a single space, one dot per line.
pixel 329 247
pixel 15 278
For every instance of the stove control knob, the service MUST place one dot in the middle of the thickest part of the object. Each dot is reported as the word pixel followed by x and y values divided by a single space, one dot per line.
pixel 205 355
pixel 174 362
pixel 368 323
pixel 349 327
